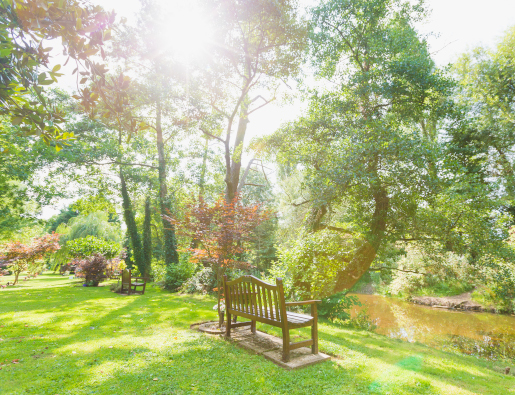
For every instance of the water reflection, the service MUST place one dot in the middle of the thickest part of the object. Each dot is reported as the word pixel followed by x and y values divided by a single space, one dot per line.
pixel 483 335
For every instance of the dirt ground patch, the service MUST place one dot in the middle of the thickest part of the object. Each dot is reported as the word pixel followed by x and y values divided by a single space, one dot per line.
pixel 459 302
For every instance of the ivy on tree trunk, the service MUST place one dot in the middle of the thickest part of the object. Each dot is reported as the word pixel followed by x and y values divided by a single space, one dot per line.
pixel 132 229
pixel 147 238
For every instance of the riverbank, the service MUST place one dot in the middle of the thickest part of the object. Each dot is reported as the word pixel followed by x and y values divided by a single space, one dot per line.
pixel 457 302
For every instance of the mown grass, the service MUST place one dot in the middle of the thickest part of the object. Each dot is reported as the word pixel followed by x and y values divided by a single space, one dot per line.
pixel 69 339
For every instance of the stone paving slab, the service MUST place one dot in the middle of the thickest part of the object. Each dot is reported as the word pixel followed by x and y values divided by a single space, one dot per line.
pixel 299 358
pixel 271 348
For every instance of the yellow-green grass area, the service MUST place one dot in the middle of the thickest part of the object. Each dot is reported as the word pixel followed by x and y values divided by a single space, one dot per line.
pixel 69 339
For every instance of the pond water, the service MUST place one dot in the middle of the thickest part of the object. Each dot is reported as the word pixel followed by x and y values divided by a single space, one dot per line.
pixel 483 335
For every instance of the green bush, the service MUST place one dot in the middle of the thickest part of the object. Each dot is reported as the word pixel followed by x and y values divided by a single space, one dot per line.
pixel 91 245
pixel 438 274
pixel 116 287
pixel 361 321
pixel 337 306
pixel 314 261
pixel 201 282
pixel 177 275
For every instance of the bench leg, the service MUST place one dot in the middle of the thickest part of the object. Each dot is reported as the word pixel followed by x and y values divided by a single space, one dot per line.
pixel 314 336
pixel 314 329
pixel 253 327
pixel 228 325
pixel 286 345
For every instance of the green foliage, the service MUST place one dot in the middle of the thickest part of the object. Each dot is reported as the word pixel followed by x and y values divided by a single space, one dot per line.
pixel 337 306
pixel 314 260
pixel 361 321
pixel 202 282
pixel 91 245
pixel 62 218
pixel 94 224
pixel 25 59
pixel 94 204
pixel 436 274
pixel 171 255
pixel 177 275
pixel 132 228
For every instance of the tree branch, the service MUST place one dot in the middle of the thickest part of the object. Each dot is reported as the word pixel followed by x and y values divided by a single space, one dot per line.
pixel 117 163
pixel 212 135
pixel 399 270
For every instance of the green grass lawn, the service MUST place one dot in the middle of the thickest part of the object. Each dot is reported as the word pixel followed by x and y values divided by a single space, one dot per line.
pixel 68 339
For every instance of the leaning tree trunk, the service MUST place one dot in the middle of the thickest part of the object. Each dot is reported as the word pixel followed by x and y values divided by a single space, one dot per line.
pixel 366 253
pixel 169 239
pixel 16 275
pixel 132 228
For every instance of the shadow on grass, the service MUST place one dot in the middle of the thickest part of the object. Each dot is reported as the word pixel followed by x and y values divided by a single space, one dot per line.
pixel 95 341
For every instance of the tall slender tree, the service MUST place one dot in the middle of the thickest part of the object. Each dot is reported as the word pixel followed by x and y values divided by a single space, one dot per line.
pixel 257 46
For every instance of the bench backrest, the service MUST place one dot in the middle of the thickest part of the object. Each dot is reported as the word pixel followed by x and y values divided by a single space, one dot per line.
pixel 126 276
pixel 250 295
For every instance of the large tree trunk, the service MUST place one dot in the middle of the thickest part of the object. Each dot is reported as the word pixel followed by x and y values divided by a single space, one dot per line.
pixel 169 240
pixel 313 222
pixel 233 175
pixel 132 229
pixel 367 252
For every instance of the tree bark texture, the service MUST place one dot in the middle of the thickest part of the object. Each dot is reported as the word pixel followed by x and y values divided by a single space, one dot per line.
pixel 132 229
pixel 147 238
pixel 170 242
pixel 366 253
pixel 233 173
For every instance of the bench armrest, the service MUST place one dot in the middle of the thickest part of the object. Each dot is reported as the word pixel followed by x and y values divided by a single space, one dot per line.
pixel 303 302
pixel 140 278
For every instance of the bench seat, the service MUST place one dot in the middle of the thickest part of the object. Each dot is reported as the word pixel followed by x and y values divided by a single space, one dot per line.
pixel 296 320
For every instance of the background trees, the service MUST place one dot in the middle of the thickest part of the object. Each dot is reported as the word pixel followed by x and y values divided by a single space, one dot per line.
pixel 392 158
pixel 21 256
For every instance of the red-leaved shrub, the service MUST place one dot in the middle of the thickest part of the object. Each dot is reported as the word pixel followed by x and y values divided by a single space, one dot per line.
pixel 92 269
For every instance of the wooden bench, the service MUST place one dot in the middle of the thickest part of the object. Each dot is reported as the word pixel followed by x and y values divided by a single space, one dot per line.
pixel 256 300
pixel 130 286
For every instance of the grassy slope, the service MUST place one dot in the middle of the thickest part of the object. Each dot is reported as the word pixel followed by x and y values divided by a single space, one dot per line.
pixel 76 340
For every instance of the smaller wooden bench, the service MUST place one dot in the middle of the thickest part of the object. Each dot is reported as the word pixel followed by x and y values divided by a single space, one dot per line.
pixel 129 285
pixel 257 300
